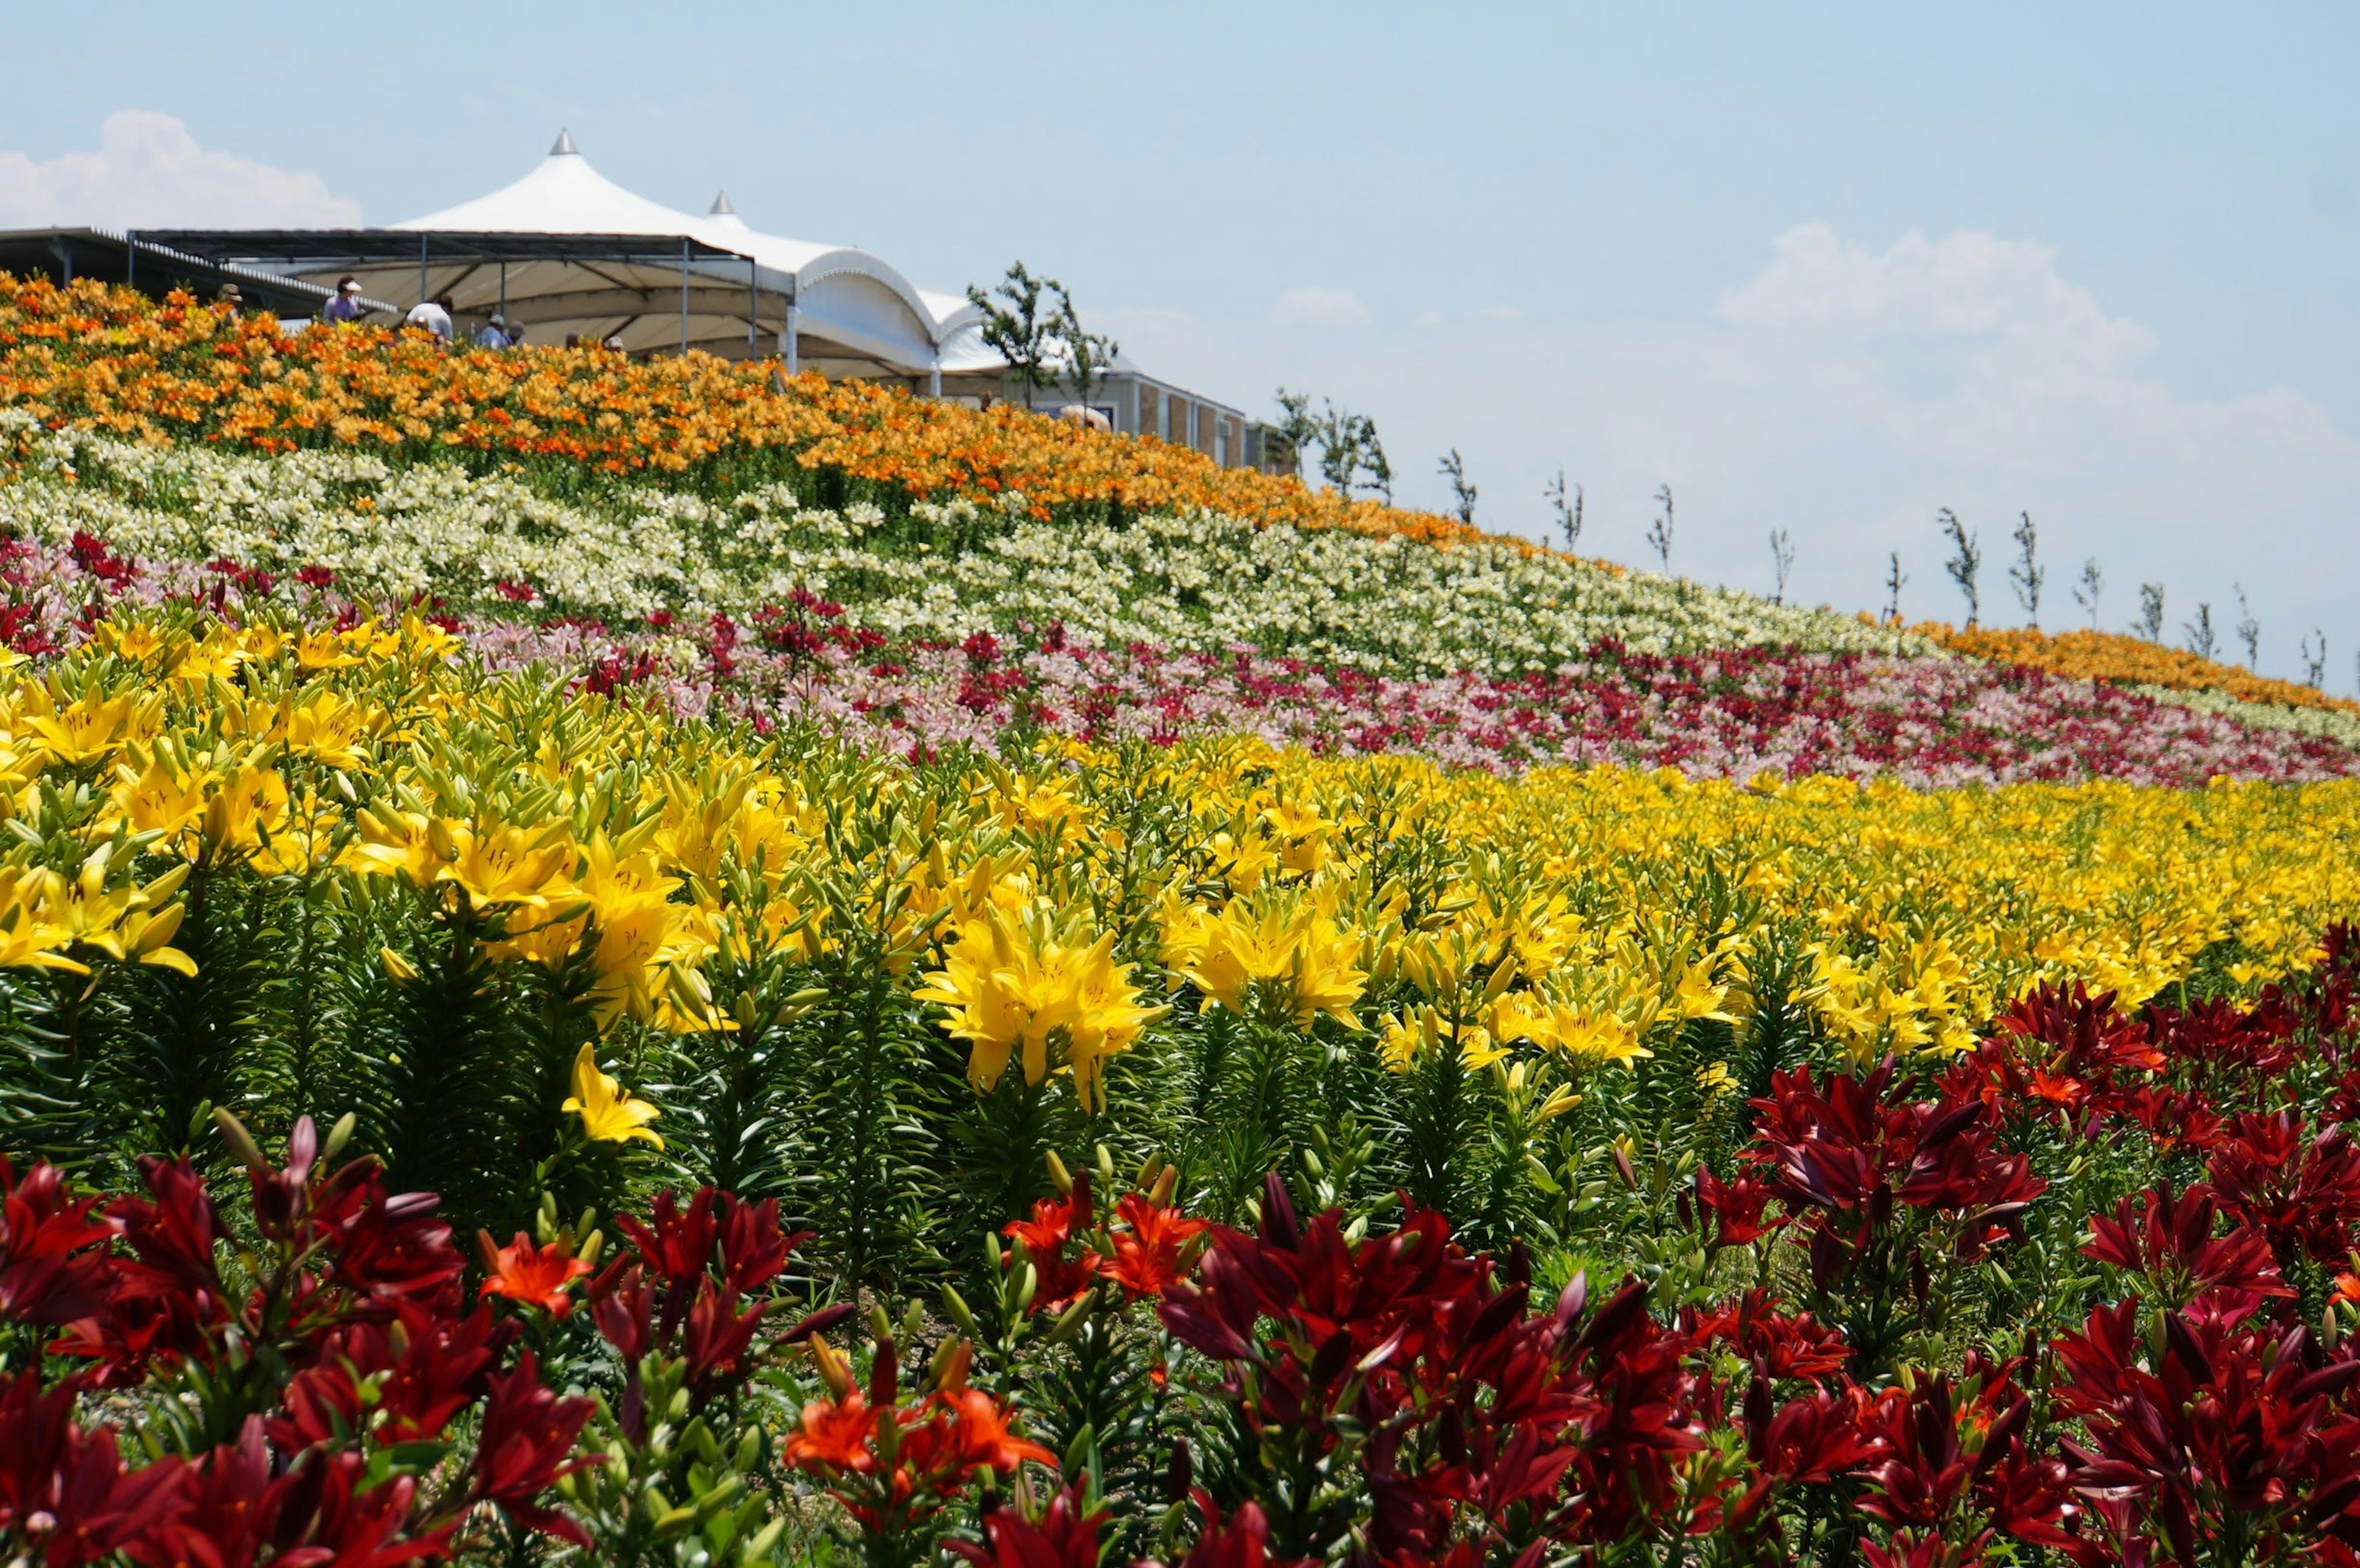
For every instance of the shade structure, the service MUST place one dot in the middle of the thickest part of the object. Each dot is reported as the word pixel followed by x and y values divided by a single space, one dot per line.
pixel 114 256
pixel 566 251
pixel 653 292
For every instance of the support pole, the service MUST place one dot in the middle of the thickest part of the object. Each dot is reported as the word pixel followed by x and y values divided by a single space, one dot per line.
pixel 130 260
pixel 935 377
pixel 421 270
pixel 504 295
pixel 683 298
pixel 753 311
pixel 787 338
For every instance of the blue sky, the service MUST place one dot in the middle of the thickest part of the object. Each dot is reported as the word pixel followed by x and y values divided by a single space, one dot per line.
pixel 1826 269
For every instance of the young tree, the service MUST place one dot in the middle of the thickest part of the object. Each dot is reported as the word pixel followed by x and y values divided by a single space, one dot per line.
pixel 1659 531
pixel 2315 658
pixel 2086 592
pixel 2150 622
pixel 1372 460
pixel 2249 631
pixel 1966 563
pixel 1782 561
pixel 1895 581
pixel 1019 323
pixel 1569 514
pixel 1339 448
pixel 2200 632
pixel 1297 425
pixel 1349 450
pixel 1088 355
pixel 1462 492
pixel 2027 574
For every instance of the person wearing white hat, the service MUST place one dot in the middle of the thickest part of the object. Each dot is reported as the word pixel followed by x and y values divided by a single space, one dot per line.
pixel 494 333
pixel 345 306
pixel 432 316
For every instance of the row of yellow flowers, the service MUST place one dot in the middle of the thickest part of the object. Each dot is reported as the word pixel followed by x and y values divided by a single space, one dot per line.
pixel 105 358
pixel 2118 657
pixel 1052 915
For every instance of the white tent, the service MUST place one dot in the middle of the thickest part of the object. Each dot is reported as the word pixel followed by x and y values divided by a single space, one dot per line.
pixel 845 301
pixel 566 251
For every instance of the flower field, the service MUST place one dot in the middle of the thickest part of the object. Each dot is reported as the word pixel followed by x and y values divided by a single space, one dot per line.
pixel 706 973
pixel 1212 1143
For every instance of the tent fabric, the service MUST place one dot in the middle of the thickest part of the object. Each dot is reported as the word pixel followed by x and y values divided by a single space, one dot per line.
pixel 846 298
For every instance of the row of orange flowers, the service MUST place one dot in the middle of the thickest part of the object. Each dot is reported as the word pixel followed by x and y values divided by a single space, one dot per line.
pixel 103 357
pixel 2119 657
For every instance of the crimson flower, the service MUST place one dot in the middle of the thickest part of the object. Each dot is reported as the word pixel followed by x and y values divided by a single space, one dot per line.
pixel 2305 1199
pixel 2089 1037
pixel 2169 1240
pixel 1815 1438
pixel 53 1267
pixel 1780 1345
pixel 1737 1207
pixel 718 1339
pixel 528 1435
pixel 406 1381
pixel 1065 1536
pixel 1243 1541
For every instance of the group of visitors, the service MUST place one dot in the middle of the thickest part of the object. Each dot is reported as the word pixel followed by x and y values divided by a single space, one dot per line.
pixel 435 317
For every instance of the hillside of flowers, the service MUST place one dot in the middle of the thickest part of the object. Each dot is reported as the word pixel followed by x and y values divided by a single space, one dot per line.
pixel 107 359
pixel 663 507
pixel 956 625
pixel 453 1113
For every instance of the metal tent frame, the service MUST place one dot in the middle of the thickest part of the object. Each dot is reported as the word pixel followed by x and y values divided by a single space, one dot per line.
pixel 655 292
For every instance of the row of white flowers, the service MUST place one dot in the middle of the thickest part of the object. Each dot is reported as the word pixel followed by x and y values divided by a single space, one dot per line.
pixel 1199 580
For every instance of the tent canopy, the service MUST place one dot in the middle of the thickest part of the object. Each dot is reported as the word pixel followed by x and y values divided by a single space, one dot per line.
pixel 565 250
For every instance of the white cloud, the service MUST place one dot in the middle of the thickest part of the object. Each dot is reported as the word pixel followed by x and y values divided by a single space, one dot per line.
pixel 1317 307
pixel 148 171
pixel 1966 284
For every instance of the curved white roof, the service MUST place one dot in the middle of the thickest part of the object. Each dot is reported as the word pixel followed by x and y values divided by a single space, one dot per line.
pixel 843 294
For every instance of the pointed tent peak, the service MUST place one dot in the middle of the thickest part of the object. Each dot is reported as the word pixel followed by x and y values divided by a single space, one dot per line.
pixel 564 144
pixel 721 207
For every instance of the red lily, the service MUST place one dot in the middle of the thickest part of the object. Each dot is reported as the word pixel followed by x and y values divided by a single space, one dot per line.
pixel 1065 1536
pixel 537 1276
pixel 1156 1250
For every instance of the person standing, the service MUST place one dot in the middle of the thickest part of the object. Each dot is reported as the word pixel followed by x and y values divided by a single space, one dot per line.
pixel 494 333
pixel 432 316
pixel 345 306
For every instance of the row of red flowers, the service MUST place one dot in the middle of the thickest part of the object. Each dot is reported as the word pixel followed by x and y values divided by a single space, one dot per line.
pixel 312 1380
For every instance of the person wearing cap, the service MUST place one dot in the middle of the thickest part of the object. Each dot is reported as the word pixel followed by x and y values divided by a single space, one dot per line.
pixel 345 306
pixel 494 333
pixel 231 297
pixel 432 316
